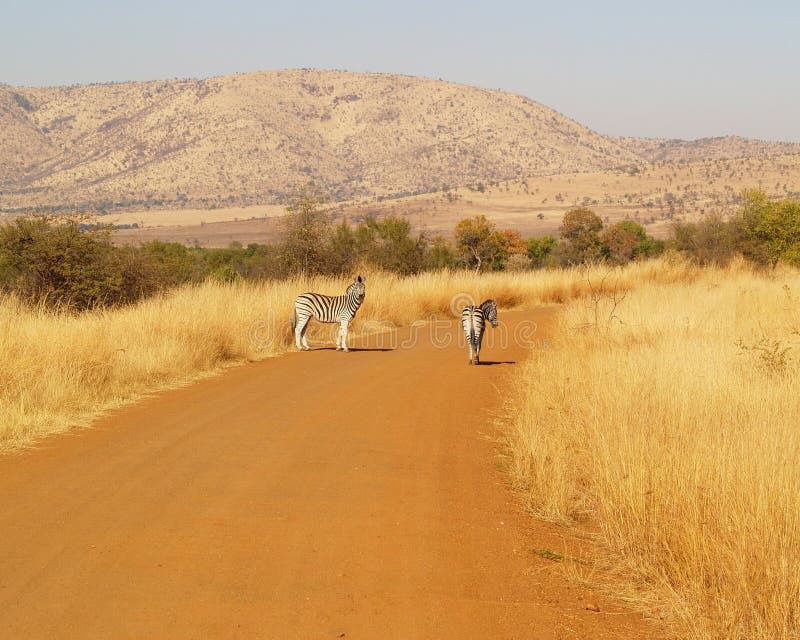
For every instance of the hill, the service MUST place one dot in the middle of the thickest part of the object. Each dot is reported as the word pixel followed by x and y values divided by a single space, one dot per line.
pixel 251 139
pixel 720 148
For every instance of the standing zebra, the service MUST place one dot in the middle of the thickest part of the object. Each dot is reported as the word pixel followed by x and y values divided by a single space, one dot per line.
pixel 341 309
pixel 473 319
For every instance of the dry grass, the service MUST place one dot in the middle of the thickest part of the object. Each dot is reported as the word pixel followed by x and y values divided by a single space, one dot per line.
pixel 184 217
pixel 61 370
pixel 672 425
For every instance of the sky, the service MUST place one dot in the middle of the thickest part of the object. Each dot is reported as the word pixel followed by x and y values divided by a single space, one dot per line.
pixel 661 70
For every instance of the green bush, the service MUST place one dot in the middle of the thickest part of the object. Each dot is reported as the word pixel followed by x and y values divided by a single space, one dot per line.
pixel 764 231
pixel 770 229
pixel 65 265
pixel 540 250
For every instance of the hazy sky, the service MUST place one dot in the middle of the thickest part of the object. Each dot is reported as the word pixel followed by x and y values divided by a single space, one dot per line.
pixel 668 69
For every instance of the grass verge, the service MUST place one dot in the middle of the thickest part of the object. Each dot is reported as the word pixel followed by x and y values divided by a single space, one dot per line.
pixel 667 417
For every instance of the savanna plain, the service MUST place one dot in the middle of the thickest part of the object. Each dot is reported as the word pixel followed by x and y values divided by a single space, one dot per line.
pixel 660 422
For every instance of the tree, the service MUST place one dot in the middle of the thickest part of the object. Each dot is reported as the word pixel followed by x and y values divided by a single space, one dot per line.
pixel 176 262
pixel 770 230
pixel 388 243
pixel 580 230
pixel 440 254
pixel 306 231
pixel 710 241
pixel 647 246
pixel 513 243
pixel 540 250
pixel 343 249
pixel 478 244
pixel 620 244
pixel 262 261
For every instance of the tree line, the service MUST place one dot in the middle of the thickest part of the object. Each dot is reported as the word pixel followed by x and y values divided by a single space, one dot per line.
pixel 66 263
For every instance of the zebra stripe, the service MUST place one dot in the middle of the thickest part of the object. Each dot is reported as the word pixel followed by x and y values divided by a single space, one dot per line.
pixel 473 320
pixel 341 309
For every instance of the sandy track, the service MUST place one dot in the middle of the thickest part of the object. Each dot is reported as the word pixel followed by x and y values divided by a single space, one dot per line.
pixel 317 495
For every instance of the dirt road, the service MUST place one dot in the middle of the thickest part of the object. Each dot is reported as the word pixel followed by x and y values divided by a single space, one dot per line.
pixel 316 495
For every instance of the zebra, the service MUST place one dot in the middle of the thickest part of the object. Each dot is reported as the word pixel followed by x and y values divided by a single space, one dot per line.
pixel 341 309
pixel 473 319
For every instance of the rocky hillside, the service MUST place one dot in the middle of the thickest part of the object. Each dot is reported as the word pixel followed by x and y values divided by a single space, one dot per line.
pixel 723 148
pixel 253 138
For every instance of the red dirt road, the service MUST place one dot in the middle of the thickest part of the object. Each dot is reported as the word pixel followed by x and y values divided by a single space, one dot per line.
pixel 316 495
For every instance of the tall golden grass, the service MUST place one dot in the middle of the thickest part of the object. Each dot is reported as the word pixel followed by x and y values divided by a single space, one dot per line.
pixel 670 420
pixel 61 370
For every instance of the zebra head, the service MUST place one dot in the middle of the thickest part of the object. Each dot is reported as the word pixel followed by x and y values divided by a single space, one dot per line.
pixel 357 290
pixel 489 309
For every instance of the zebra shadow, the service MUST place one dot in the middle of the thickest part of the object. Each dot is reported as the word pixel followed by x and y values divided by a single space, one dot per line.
pixel 489 363
pixel 353 349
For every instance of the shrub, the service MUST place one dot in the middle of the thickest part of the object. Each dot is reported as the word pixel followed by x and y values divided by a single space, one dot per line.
pixel 580 233
pixel 306 233
pixel 65 265
pixel 620 244
pixel 388 244
pixel 772 229
pixel 764 231
pixel 540 250
pixel 478 244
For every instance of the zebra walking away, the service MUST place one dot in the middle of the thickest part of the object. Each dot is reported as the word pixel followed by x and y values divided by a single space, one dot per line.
pixel 341 309
pixel 473 319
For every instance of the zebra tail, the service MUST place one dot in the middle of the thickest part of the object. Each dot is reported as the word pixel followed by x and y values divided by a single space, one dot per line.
pixel 472 333
pixel 293 319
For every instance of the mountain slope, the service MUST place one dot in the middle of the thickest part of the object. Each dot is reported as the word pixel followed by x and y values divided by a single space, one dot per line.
pixel 253 138
pixel 22 144
pixel 720 148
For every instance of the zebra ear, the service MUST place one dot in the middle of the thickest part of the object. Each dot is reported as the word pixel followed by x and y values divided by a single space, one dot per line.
pixel 359 279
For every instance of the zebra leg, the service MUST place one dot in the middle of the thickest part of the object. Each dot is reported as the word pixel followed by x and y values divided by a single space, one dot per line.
pixel 478 350
pixel 469 342
pixel 299 329
pixel 343 332
pixel 300 334
pixel 339 339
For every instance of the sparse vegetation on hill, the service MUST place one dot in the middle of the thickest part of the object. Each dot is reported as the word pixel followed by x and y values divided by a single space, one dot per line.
pixel 721 148
pixel 249 139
